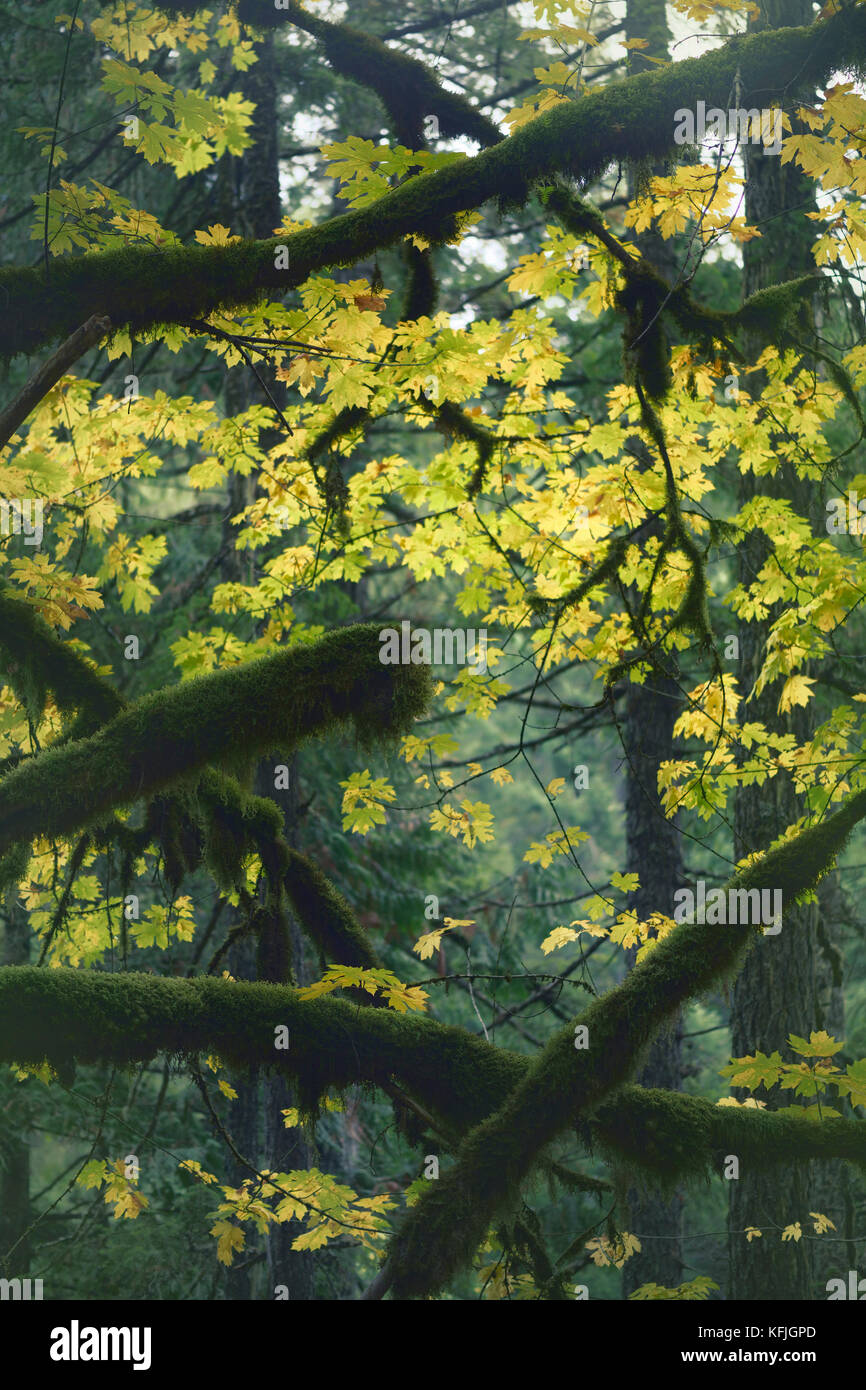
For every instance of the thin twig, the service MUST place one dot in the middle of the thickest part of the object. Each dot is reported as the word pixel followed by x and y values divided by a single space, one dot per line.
pixel 42 380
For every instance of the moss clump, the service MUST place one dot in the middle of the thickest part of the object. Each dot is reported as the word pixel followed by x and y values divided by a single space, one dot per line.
pixel 36 661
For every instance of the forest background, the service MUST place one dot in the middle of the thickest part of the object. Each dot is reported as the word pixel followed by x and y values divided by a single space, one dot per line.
pixel 321 320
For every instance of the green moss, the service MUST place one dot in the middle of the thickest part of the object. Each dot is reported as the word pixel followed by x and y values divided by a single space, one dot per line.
pixel 64 1016
pixel 668 1138
pixel 454 421
pixel 35 661
pixel 442 1232
pixel 407 88
pixel 140 288
pixel 325 916
pixel 172 734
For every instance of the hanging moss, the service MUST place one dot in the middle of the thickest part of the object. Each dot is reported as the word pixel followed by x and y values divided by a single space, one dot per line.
pixel 167 736
pixel 523 1237
pixel 35 661
pixel 171 822
pixel 455 421
pixel 13 866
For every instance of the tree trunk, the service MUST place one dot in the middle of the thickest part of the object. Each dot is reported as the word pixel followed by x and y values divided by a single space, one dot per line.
pixel 653 849
pixel 780 989
pixel 15 1213
pixel 256 214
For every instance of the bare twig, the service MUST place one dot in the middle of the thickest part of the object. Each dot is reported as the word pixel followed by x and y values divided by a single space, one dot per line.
pixel 41 382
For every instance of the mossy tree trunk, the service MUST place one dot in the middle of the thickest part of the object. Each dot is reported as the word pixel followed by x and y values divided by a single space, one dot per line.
pixel 15 1212
pixel 832 1183
pixel 653 847
pixel 777 992
pixel 266 1141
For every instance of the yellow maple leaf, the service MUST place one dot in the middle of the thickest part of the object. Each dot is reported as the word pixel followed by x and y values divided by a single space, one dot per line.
pixel 821 1223
pixel 216 235
pixel 406 998
pixel 301 372
pixel 560 936
pixel 229 1239
pixel 796 691
pixel 430 942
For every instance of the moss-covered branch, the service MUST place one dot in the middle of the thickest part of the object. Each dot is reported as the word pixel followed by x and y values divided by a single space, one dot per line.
pixel 407 88
pixel 139 288
pixel 87 335
pixel 66 1016
pixel 671 1137
pixel 325 916
pixel 278 700
pixel 69 1016
pixel 220 822
pixel 443 1231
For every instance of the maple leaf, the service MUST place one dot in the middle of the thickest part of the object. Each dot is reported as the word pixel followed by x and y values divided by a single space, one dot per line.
pixel 216 235
pixel 229 1239
pixel 755 1071
pixel 796 691
pixel 819 1045
pixel 821 1223
pixel 560 936
pixel 430 942
pixel 853 1083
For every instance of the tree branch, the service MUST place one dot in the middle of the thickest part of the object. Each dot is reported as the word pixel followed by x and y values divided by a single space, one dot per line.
pixel 139 288
pixel 276 701
pixel 41 382
pixel 442 1232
